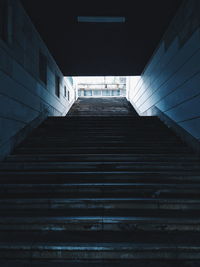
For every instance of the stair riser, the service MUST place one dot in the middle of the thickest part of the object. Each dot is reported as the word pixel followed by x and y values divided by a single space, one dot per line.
pixel 106 158
pixel 129 126
pixel 100 263
pixel 98 226
pixel 97 122
pixel 100 138
pixel 27 204
pixel 102 131
pixel 99 133
pixel 105 125
pixel 98 167
pixel 100 150
pixel 40 135
pixel 97 119
pixel 81 177
pixel 45 254
pixel 33 207
pixel 51 208
pixel 64 159
pixel 121 194
pixel 88 143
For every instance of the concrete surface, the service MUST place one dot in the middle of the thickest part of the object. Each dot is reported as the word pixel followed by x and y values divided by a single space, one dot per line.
pixel 171 79
pixel 112 106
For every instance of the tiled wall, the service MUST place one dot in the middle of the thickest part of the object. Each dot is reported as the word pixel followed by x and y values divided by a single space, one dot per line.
pixel 23 96
pixel 171 80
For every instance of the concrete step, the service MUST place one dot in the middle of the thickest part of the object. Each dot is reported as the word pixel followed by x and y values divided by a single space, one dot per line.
pixel 64 212
pixel 151 204
pixel 97 166
pixel 83 135
pixel 58 177
pixel 110 116
pixel 91 139
pixel 105 157
pixel 166 147
pixel 101 150
pixel 89 142
pixel 104 118
pixel 145 132
pixel 100 190
pixel 116 124
pixel 100 263
pixel 111 119
pixel 105 134
pixel 109 125
pixel 106 123
pixel 40 132
pixel 101 236
pixel 80 134
pixel 104 128
pixel 91 251
pixel 132 224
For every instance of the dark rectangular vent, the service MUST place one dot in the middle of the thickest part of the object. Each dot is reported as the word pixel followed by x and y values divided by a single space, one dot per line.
pixel 100 19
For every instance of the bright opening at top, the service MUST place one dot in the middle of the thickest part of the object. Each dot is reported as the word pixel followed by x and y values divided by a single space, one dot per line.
pixel 102 86
pixel 105 86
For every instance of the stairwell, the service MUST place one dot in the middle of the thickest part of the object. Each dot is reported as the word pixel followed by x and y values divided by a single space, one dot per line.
pixel 107 188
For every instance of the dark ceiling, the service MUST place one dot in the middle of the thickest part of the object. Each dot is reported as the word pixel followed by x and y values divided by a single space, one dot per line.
pixel 101 49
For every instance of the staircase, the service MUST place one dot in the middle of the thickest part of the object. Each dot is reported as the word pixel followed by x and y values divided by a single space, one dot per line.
pixel 88 191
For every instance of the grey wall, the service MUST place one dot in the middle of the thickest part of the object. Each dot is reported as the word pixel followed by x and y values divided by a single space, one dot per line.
pixel 23 95
pixel 171 80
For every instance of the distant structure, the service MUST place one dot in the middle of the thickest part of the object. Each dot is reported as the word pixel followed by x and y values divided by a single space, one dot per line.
pixel 102 87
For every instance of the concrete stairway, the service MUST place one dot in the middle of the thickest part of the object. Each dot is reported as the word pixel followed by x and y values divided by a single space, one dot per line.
pixel 102 106
pixel 100 191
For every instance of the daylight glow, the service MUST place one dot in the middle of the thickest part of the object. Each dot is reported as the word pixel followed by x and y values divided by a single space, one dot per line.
pixel 101 86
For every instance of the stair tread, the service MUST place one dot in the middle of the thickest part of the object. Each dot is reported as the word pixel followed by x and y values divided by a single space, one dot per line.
pixel 104 188
pixel 100 263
